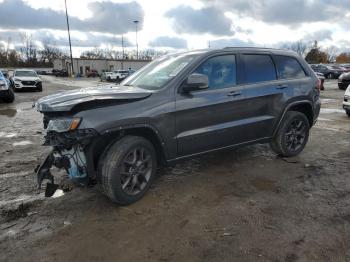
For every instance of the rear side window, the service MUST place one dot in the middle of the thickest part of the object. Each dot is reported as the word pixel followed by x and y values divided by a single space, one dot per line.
pixel 289 67
pixel 221 71
pixel 259 68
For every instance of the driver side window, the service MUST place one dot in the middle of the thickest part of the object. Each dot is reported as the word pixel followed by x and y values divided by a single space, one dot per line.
pixel 221 71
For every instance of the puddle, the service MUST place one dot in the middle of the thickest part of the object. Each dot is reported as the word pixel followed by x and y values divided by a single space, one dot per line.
pixel 22 143
pixel 327 100
pixel 263 184
pixel 7 135
pixel 9 112
pixel 332 110
pixel 324 119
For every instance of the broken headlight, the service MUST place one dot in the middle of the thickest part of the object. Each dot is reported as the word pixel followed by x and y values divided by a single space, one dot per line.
pixel 63 124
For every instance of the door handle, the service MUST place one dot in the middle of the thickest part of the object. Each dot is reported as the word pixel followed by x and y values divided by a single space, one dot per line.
pixel 235 93
pixel 282 86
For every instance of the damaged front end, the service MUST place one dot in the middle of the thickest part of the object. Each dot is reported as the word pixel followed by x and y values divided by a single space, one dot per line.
pixel 71 150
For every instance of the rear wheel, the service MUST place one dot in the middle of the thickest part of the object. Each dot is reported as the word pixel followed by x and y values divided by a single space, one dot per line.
pixel 292 135
pixel 127 169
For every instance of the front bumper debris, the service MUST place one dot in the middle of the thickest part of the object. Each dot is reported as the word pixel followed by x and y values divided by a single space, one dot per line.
pixel 73 160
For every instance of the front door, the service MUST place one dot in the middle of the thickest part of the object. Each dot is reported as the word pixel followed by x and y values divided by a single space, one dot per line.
pixel 208 119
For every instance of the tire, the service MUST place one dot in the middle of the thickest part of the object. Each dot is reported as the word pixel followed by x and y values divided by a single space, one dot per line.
pixel 290 130
pixel 109 79
pixel 119 167
pixel 10 98
pixel 39 89
pixel 348 113
pixel 331 76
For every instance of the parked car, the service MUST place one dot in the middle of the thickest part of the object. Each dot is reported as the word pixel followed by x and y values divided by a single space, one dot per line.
pixel 331 72
pixel 92 73
pixel 106 76
pixel 60 72
pixel 5 74
pixel 322 78
pixel 26 79
pixel 346 102
pixel 344 81
pixel 41 72
pixel 176 107
pixel 6 93
pixel 346 67
pixel 119 75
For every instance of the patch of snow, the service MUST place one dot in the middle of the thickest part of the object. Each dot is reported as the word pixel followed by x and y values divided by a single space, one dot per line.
pixel 58 193
pixel 23 199
pixel 16 174
pixel 22 143
pixel 7 135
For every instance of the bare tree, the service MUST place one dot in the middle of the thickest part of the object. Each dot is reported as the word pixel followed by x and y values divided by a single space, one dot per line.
pixel 299 46
pixel 28 49
pixel 332 53
pixel 50 51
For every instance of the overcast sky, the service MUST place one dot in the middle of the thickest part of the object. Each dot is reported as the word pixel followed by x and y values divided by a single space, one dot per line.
pixel 180 24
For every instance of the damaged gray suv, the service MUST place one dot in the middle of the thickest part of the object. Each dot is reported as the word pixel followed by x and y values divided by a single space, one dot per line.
pixel 176 107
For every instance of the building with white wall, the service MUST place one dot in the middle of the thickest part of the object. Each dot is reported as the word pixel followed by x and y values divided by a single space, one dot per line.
pixel 83 65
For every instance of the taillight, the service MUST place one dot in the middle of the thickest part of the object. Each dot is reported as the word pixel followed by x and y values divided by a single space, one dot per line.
pixel 318 86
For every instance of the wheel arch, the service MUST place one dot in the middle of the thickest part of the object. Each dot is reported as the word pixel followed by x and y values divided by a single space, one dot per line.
pixel 304 107
pixel 148 132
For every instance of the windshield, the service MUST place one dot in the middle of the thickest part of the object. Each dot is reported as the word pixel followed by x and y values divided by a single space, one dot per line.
pixel 26 73
pixel 156 74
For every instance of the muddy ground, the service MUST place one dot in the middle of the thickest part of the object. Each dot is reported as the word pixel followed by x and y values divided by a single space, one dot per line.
pixel 237 205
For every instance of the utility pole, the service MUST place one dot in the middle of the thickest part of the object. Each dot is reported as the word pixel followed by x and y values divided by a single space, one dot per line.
pixel 137 45
pixel 70 44
pixel 122 52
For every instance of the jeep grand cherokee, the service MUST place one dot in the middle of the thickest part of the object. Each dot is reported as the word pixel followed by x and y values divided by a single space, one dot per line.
pixel 176 107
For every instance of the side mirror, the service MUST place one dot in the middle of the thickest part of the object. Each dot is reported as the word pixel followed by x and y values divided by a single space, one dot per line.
pixel 195 82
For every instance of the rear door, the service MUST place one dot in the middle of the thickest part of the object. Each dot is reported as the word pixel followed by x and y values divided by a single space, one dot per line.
pixel 208 119
pixel 265 95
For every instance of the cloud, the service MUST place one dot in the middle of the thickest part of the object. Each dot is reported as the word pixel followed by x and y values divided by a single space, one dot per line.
pixel 61 40
pixel 107 17
pixel 292 13
pixel 231 42
pixel 320 35
pixel 166 41
pixel 185 19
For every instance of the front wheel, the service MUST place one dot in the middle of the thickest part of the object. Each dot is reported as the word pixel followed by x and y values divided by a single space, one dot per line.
pixel 127 169
pixel 292 135
pixel 10 97
pixel 348 112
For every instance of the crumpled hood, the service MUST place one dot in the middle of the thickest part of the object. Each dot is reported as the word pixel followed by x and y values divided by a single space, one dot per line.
pixel 66 101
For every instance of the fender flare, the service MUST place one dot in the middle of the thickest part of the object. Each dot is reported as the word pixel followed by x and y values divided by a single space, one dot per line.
pixel 286 109
pixel 135 126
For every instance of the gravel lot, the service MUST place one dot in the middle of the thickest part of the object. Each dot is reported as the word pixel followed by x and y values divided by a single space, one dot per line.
pixel 237 205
